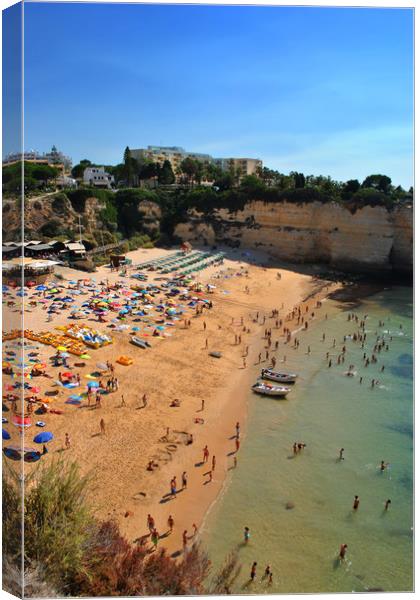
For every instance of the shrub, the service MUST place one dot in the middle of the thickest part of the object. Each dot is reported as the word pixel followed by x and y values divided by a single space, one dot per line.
pixel 115 567
pixel 56 519
pixel 54 228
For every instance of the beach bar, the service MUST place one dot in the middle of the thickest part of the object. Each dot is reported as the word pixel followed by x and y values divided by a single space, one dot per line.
pixel 27 269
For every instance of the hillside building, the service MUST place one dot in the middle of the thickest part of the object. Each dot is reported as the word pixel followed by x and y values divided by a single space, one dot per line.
pixel 98 177
pixel 175 155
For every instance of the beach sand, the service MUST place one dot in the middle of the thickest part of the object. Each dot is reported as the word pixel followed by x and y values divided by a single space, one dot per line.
pixel 177 367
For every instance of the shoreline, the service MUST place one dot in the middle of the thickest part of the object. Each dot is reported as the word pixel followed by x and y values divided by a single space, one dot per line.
pixel 196 512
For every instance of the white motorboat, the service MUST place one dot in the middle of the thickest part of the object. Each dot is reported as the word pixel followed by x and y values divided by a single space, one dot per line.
pixel 266 389
pixel 277 376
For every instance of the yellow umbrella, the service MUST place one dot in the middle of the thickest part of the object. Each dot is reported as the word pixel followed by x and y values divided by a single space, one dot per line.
pixel 61 348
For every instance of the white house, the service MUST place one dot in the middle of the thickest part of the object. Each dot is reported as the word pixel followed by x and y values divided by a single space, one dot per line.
pixel 98 177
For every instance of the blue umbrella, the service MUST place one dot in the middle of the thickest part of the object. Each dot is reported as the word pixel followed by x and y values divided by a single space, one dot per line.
pixel 43 437
pixel 5 434
pixel 41 288
pixel 12 453
pixel 93 384
pixel 5 288
pixel 31 456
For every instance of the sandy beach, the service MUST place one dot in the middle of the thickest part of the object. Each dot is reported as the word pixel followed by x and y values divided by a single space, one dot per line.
pixel 176 367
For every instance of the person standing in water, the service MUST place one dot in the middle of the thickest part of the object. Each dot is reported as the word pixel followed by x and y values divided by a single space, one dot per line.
pixel 343 550
pixel 356 503
pixel 341 454
pixel 387 503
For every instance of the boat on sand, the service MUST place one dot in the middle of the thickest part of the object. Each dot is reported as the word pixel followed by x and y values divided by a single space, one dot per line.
pixel 267 389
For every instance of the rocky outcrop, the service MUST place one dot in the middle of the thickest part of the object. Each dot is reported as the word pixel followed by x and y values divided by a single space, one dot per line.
pixel 369 240
pixel 151 215
pixel 46 210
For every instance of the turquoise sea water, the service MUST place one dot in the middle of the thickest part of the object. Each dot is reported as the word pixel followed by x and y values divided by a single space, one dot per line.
pixel 328 410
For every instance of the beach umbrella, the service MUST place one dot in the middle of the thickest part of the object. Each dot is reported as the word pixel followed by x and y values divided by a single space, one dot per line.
pixel 61 348
pixel 32 456
pixel 20 421
pixel 5 434
pixel 12 453
pixel 43 437
pixel 5 288
pixel 93 384
pixel 41 288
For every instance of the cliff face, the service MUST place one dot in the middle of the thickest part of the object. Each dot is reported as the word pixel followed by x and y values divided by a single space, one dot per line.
pixel 371 239
pixel 38 212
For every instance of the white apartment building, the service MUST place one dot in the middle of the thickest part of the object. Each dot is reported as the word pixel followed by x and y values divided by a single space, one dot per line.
pixel 98 177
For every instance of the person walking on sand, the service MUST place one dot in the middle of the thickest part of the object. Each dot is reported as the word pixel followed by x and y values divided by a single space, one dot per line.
pixel 184 480
pixel 247 535
pixel 206 454
pixel 184 540
pixel 207 344
pixel 67 441
pixel 202 405
pixel 171 523
pixel 150 523
pixel 155 538
pixel 204 325
pixel 213 463
pixel 102 426
pixel 253 571
pixel 122 400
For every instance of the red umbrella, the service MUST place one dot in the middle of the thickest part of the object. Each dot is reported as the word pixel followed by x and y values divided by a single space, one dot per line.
pixel 20 421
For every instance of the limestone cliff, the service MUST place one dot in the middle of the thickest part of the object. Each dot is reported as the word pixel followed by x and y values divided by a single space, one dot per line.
pixel 370 239
pixel 44 210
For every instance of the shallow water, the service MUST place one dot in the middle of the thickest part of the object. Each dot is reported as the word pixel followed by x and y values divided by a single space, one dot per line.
pixel 328 410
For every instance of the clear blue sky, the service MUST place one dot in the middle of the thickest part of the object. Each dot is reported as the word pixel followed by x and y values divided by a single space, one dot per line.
pixel 318 90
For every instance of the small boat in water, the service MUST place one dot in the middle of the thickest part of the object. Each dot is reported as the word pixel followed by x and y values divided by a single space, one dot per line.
pixel 280 377
pixel 266 389
pixel 139 342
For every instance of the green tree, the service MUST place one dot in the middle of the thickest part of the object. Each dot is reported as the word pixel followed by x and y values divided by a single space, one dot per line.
pixel 78 170
pixel 130 167
pixel 166 175
pixel 381 183
pixel 299 179
pixel 188 168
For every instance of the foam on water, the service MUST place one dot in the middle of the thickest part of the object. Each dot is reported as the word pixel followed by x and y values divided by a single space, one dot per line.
pixel 327 411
